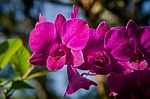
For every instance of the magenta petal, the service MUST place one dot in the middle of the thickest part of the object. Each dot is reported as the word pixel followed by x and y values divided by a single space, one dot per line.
pixel 124 51
pixel 114 37
pixel 131 27
pixel 78 58
pixel 123 83
pixel 94 43
pixel 145 39
pixel 87 64
pixel 84 66
pixel 117 67
pixel 145 77
pixel 75 34
pixel 71 71
pixel 41 36
pixel 61 62
pixel 102 29
pixel 116 82
pixel 96 38
pixel 93 36
pixel 39 58
pixel 41 18
pixel 59 21
pixel 49 28
pixel 53 64
pixel 54 48
pixel 75 11
pixel 113 93
pixel 76 81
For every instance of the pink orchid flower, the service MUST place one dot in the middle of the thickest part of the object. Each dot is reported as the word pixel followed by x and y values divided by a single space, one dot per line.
pixel 45 42
pixel 58 43
pixel 140 36
pixel 97 59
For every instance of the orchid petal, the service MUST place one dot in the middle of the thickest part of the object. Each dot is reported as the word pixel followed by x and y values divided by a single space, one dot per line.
pixel 39 58
pixel 96 38
pixel 116 82
pixel 145 39
pixel 71 71
pixel 87 64
pixel 78 57
pixel 94 43
pixel 75 11
pixel 123 83
pixel 54 48
pixel 117 67
pixel 54 64
pixel 59 21
pixel 76 81
pixel 41 19
pixel 145 77
pixel 124 51
pixel 131 27
pixel 41 36
pixel 75 34
pixel 114 37
pixel 102 29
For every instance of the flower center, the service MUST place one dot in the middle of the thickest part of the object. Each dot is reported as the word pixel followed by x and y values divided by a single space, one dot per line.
pixel 138 62
pixel 57 52
pixel 101 58
pixel 138 55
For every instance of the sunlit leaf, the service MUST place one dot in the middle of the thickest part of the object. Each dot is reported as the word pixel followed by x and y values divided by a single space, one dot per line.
pixel 8 48
pixel 20 61
pixel 20 85
pixel 38 74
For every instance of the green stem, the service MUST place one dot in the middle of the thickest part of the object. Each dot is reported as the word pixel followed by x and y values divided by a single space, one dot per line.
pixel 5 94
pixel 27 73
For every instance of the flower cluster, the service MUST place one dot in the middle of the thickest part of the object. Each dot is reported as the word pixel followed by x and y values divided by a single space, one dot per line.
pixel 121 53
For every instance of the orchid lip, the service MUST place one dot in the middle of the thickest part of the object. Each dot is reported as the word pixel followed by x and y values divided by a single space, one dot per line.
pixel 139 65
pixel 58 53
pixel 101 58
pixel 137 62
pixel 138 55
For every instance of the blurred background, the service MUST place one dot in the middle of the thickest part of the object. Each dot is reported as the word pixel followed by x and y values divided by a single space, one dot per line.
pixel 18 17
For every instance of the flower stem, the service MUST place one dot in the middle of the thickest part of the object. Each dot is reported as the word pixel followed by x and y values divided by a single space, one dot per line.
pixel 27 73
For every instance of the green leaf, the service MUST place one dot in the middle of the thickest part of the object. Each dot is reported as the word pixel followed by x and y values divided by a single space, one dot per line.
pixel 20 61
pixel 38 74
pixel 4 46
pixel 8 49
pixel 20 85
